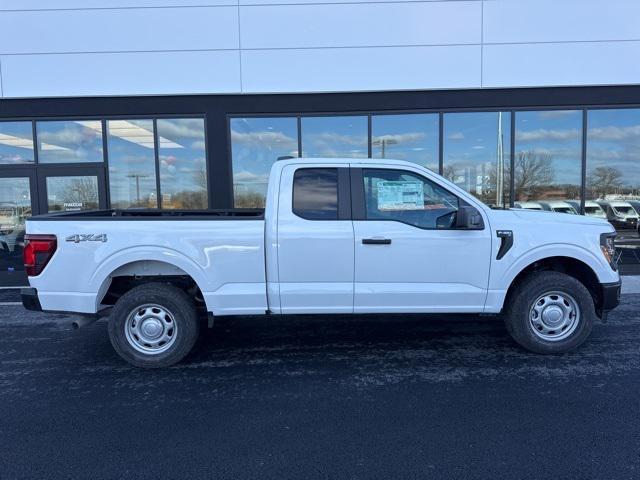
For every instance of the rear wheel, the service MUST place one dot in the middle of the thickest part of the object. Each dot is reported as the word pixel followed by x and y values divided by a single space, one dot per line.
pixel 154 325
pixel 550 312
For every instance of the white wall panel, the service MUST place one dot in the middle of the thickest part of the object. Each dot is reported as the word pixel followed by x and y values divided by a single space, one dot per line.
pixel 120 73
pixel 118 30
pixel 80 4
pixel 353 69
pixel 561 64
pixel 564 20
pixel 379 24
pixel 294 2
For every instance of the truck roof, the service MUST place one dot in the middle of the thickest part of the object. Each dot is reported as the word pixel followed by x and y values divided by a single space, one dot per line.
pixel 346 161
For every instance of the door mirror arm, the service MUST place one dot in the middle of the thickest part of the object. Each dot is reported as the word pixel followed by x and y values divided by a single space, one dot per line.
pixel 469 218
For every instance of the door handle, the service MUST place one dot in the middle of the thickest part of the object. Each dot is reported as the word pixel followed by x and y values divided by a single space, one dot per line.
pixel 376 241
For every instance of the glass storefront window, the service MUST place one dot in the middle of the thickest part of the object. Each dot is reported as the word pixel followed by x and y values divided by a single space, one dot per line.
pixel 613 178
pixel 16 143
pixel 72 193
pixel 183 164
pixel 256 143
pixel 413 138
pixel 477 156
pixel 132 170
pixel 77 141
pixel 15 208
pixel 548 160
pixel 334 137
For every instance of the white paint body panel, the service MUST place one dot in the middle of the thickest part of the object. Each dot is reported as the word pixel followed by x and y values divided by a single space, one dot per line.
pixel 224 257
pixel 287 264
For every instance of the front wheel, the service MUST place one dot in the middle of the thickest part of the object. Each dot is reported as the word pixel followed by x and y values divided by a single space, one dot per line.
pixel 550 312
pixel 153 325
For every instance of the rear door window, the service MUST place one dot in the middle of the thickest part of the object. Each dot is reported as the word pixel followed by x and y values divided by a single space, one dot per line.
pixel 315 193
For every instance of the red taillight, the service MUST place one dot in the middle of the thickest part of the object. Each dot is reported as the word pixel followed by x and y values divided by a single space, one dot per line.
pixel 38 250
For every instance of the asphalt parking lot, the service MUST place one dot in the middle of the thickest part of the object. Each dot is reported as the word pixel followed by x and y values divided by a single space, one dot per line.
pixel 320 397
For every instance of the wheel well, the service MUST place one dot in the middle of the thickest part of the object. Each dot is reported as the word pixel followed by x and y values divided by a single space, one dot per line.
pixel 137 273
pixel 570 266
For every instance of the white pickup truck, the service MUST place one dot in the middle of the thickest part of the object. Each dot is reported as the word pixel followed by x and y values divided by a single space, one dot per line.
pixel 337 236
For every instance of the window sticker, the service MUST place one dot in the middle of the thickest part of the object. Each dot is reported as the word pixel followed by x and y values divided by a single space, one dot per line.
pixel 408 195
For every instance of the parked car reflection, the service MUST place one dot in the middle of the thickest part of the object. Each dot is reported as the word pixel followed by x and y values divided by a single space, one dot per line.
pixel 12 218
pixel 558 206
pixel 528 205
pixel 621 214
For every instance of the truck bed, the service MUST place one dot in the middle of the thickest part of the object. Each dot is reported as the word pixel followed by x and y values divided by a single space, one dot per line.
pixel 225 258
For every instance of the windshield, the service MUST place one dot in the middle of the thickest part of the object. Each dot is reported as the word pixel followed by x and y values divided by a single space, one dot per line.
pixel 564 210
pixel 593 211
pixel 625 210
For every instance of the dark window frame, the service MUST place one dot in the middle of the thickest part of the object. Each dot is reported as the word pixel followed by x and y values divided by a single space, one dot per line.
pixel 51 171
pixel 36 165
pixel 156 152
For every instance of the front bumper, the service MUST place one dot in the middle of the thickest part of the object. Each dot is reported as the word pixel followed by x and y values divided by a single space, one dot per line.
pixel 30 299
pixel 609 296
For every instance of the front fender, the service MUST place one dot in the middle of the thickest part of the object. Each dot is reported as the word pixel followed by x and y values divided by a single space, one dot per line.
pixel 597 263
pixel 501 280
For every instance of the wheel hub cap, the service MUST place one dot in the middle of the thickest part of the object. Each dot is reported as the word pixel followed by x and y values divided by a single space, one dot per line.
pixel 151 329
pixel 554 316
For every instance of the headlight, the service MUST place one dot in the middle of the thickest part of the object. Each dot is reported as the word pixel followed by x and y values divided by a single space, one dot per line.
pixel 608 248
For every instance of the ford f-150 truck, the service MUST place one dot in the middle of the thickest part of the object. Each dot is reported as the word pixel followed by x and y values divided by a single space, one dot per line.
pixel 337 236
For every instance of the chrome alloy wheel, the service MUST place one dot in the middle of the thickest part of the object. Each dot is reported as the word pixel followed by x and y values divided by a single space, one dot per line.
pixel 554 316
pixel 151 329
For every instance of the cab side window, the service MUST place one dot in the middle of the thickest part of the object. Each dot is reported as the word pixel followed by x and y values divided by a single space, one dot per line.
pixel 408 198
pixel 315 193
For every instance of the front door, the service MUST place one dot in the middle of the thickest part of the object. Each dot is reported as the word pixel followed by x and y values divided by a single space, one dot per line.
pixel 409 257
pixel 315 240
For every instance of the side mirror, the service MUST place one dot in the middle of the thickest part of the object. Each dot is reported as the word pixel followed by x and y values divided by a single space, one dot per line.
pixel 469 218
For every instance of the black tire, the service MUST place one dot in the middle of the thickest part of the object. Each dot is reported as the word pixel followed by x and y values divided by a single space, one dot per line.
pixel 182 314
pixel 520 303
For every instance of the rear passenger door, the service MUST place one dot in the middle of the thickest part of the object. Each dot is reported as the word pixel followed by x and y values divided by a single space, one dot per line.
pixel 315 240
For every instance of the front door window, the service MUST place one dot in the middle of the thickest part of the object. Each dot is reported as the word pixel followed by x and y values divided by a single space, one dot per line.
pixel 408 198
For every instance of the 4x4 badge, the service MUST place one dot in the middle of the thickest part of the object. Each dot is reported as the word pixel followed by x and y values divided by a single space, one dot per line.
pixel 91 237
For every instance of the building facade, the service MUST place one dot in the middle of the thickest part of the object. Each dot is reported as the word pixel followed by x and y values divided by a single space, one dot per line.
pixel 186 105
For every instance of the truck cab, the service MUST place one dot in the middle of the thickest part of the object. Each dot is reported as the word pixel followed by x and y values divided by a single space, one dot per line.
pixel 337 236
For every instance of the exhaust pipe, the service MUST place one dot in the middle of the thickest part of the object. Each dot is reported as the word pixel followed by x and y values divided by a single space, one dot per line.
pixel 84 321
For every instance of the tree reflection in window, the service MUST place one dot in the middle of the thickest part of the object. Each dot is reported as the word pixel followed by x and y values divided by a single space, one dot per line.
pixel 477 154
pixel 548 157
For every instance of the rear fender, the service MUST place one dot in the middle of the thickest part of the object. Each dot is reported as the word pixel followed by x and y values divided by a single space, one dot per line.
pixel 101 278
